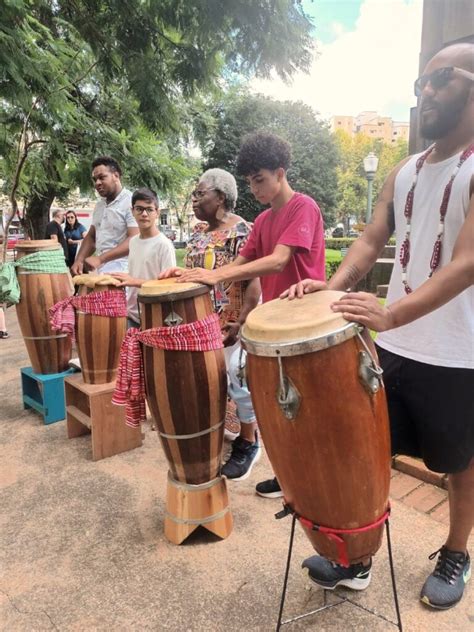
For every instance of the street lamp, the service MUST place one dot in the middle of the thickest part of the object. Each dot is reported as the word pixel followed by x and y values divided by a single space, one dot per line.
pixel 371 163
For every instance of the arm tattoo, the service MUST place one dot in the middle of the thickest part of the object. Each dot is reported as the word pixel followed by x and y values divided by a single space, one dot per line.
pixel 391 218
pixel 352 276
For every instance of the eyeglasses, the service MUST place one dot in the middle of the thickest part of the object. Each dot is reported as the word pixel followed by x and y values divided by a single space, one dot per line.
pixel 440 78
pixel 200 194
pixel 70 217
pixel 140 209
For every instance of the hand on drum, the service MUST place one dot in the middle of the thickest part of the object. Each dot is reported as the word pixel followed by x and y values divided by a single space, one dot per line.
pixel 230 333
pixel 366 309
pixel 127 280
pixel 171 272
pixel 307 286
pixel 199 275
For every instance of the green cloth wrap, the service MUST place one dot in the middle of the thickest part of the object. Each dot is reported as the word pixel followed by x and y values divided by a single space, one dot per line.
pixel 42 262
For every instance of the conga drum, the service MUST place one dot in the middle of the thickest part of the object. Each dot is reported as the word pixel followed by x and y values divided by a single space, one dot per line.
pixel 49 351
pixel 321 408
pixel 186 393
pixel 98 338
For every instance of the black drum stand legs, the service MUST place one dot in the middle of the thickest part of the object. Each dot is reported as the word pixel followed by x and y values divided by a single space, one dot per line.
pixel 341 600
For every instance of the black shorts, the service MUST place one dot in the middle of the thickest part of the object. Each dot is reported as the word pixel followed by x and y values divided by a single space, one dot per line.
pixel 431 411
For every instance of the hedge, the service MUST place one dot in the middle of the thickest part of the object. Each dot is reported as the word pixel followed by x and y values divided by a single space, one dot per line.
pixel 336 243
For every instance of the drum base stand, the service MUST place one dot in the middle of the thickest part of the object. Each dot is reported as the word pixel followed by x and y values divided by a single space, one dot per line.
pixel 326 605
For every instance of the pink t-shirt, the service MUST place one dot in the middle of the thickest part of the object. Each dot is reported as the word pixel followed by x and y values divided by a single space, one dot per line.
pixel 299 223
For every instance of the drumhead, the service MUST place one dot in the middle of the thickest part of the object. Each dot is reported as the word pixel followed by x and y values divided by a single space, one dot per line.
pixel 92 279
pixel 165 290
pixel 37 244
pixel 283 327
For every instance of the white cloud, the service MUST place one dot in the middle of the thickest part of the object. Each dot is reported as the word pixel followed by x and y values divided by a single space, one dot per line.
pixel 370 68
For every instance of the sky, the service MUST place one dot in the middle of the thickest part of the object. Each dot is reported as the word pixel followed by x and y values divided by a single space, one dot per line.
pixel 366 58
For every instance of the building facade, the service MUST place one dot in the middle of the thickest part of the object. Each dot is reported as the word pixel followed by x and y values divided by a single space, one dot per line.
pixel 372 125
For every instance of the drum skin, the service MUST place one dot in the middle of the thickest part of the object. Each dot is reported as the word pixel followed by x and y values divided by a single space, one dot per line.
pixel 333 459
pixel 49 351
pixel 186 392
pixel 98 341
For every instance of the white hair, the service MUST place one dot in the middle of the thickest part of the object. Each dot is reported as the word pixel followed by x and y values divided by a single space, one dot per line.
pixel 224 182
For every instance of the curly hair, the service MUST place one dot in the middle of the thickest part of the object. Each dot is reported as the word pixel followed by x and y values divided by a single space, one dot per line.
pixel 109 162
pixel 223 181
pixel 262 150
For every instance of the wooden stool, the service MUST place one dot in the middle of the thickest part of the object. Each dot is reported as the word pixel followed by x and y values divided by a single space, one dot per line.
pixel 44 393
pixel 89 409
pixel 191 506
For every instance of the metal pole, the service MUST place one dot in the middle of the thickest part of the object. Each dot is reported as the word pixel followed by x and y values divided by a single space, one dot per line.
pixel 368 213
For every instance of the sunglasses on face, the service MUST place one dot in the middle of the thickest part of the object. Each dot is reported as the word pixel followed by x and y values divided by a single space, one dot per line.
pixel 140 209
pixel 440 78
pixel 200 194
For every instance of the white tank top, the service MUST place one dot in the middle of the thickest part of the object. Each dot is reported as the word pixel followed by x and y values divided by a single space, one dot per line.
pixel 445 337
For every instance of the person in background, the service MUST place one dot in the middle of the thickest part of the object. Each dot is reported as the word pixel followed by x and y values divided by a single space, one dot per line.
pixel 74 233
pixel 3 326
pixel 105 247
pixel 150 252
pixel 55 232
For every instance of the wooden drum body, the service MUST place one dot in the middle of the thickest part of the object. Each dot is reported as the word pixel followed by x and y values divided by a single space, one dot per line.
pixel 328 440
pixel 186 393
pixel 186 390
pixel 99 339
pixel 49 351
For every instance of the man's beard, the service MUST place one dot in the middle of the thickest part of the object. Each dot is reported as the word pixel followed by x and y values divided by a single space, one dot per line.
pixel 447 119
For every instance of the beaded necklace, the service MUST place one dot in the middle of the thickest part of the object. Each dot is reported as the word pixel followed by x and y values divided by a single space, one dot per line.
pixel 405 249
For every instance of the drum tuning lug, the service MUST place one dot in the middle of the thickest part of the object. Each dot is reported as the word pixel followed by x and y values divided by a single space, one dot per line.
pixel 369 372
pixel 288 396
pixel 173 319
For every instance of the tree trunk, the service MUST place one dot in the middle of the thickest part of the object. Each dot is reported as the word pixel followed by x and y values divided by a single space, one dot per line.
pixel 37 212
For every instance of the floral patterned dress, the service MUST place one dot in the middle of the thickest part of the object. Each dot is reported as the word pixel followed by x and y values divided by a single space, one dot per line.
pixel 213 249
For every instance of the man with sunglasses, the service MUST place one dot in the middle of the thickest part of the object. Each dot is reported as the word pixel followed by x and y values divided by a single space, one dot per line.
pixel 105 247
pixel 427 345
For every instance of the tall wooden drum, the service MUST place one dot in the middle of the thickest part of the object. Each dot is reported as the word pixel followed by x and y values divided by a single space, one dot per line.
pixel 49 351
pixel 98 338
pixel 186 393
pixel 320 404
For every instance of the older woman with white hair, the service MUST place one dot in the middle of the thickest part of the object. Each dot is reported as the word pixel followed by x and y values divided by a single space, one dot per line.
pixel 215 242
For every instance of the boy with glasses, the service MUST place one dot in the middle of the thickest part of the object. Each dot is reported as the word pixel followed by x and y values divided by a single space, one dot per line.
pixel 150 252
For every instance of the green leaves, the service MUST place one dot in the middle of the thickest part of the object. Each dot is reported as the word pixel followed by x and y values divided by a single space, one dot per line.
pixel 313 164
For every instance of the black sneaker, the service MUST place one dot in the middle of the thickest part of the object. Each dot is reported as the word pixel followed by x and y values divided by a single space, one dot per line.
pixel 445 586
pixel 4 334
pixel 329 575
pixel 243 457
pixel 269 489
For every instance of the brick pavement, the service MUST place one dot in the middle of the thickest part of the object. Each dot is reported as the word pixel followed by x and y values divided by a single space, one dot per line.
pixel 424 497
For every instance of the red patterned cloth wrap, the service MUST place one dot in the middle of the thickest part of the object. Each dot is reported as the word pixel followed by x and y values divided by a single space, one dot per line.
pixel 111 303
pixel 201 335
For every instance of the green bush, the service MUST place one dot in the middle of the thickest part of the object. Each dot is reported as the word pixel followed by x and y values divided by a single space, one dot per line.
pixel 336 243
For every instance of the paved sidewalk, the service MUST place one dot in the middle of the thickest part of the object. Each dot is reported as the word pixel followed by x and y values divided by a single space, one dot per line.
pixel 83 549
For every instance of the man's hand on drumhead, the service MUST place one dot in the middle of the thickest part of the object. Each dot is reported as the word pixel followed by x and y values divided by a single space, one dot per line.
pixel 171 272
pixel 307 286
pixel 366 309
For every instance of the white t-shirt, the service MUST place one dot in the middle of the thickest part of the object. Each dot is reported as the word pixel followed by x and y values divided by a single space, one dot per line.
pixel 444 337
pixel 111 222
pixel 146 259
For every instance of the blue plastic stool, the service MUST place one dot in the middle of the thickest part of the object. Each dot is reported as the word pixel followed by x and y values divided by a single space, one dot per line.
pixel 45 393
